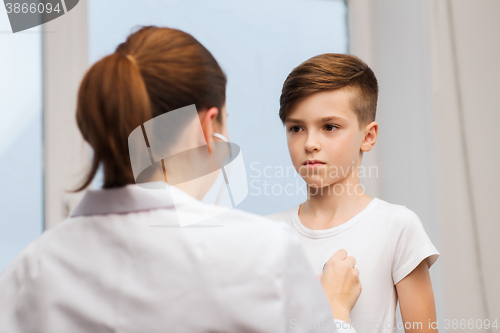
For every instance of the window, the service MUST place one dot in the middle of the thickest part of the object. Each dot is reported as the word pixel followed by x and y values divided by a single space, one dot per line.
pixel 257 43
pixel 21 159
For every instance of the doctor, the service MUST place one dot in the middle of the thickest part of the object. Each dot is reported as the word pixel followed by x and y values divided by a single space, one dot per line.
pixel 121 262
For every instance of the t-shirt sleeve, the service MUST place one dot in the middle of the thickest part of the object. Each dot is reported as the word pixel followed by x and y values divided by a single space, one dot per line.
pixel 410 244
pixel 306 306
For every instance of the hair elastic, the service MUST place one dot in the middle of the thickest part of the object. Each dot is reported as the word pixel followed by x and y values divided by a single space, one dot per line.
pixel 132 59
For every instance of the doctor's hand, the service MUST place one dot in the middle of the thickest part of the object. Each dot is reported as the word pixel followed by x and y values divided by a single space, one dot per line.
pixel 340 280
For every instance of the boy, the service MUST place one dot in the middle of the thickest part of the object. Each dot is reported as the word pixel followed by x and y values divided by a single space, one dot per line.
pixel 328 105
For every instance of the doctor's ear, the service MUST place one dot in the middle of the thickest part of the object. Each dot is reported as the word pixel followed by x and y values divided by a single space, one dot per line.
pixel 371 133
pixel 209 122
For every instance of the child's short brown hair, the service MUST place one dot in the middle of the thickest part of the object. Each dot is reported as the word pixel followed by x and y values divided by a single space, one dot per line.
pixel 331 71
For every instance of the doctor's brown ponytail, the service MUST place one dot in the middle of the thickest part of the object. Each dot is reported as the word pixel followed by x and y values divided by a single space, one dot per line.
pixel 156 70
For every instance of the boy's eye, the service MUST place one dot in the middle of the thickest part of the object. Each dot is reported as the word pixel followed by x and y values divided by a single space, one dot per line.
pixel 294 129
pixel 330 128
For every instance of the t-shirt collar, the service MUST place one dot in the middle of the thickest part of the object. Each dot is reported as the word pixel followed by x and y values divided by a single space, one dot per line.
pixel 331 231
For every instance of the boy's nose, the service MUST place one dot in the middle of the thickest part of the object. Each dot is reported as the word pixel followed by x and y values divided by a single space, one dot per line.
pixel 312 144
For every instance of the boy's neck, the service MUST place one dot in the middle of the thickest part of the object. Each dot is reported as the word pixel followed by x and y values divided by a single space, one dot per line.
pixel 333 205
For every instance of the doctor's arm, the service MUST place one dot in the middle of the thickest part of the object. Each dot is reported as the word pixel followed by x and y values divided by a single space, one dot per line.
pixel 340 280
pixel 416 300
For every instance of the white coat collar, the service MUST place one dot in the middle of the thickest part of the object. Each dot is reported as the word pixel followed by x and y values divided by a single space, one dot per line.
pixel 129 198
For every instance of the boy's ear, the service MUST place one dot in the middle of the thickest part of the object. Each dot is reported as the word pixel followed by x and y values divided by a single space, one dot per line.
pixel 371 132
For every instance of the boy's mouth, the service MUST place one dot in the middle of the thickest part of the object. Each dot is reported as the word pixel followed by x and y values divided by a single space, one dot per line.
pixel 313 162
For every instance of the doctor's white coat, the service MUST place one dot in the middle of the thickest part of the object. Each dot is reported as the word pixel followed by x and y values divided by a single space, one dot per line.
pixel 122 263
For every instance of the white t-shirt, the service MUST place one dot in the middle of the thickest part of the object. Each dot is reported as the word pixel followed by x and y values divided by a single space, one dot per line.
pixel 388 242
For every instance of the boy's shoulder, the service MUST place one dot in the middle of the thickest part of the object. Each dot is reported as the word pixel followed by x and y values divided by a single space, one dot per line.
pixel 381 213
pixel 410 242
pixel 395 215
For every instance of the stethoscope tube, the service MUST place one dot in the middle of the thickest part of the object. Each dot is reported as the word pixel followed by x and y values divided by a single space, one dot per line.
pixel 226 180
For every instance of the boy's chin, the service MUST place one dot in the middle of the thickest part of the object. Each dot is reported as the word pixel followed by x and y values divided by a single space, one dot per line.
pixel 319 183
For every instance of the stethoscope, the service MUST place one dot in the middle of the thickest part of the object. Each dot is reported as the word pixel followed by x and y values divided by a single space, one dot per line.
pixel 221 191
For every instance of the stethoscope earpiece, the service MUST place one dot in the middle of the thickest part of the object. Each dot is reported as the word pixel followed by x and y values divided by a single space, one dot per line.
pixel 220 136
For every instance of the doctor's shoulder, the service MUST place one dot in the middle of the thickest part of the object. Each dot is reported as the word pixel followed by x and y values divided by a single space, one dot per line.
pixel 262 224
pixel 284 216
pixel 259 233
pixel 24 269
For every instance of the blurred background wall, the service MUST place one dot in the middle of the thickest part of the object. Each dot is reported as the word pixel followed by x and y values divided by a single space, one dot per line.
pixel 437 65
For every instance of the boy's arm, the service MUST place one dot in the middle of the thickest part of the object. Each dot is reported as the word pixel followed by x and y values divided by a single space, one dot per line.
pixel 416 300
